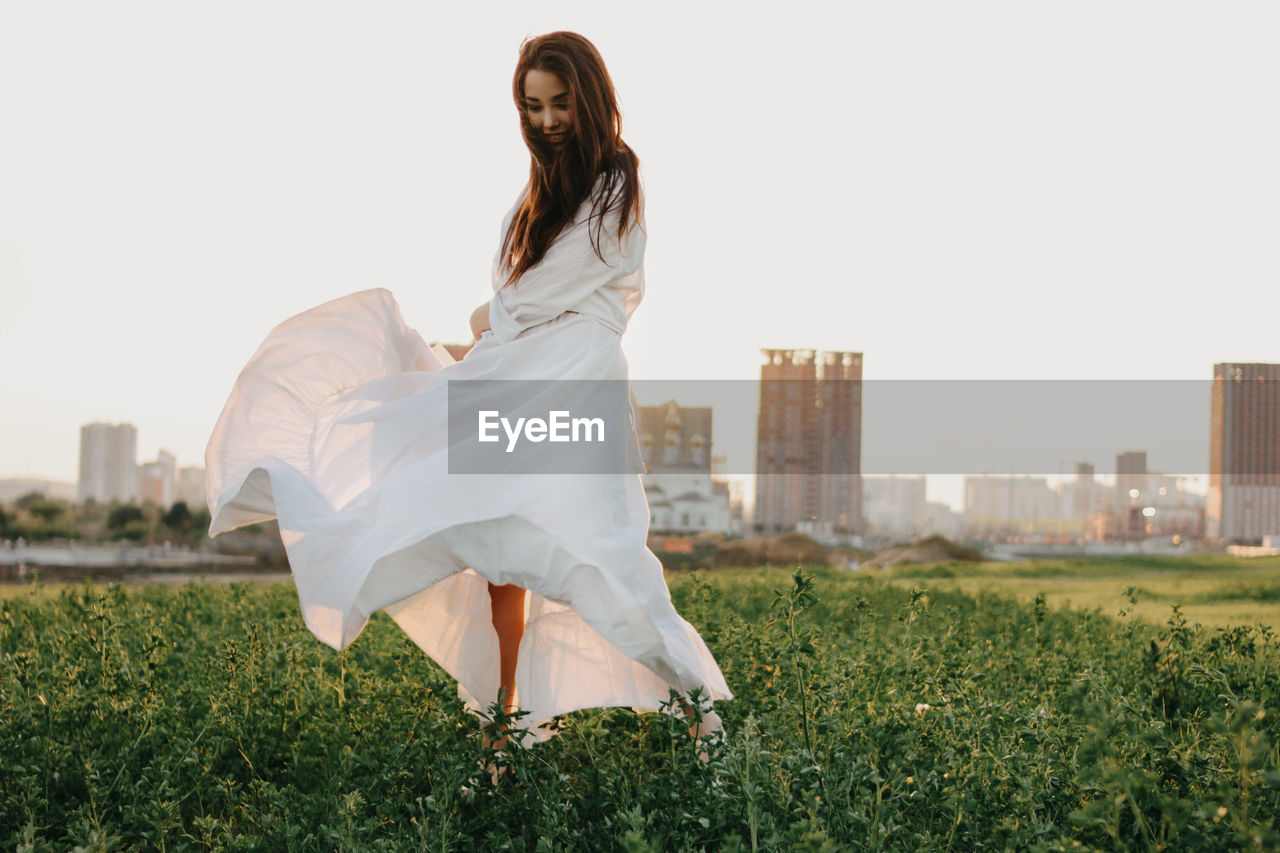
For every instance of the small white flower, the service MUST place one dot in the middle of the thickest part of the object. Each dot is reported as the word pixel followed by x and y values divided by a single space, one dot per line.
pixel 921 708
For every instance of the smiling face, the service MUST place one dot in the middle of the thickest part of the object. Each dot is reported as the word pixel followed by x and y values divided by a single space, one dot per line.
pixel 546 104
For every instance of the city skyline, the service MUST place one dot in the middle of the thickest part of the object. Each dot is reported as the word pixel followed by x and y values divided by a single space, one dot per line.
pixel 1084 421
pixel 685 496
pixel 991 206
pixel 161 474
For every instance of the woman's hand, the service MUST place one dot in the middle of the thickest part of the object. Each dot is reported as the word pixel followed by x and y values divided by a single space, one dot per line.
pixel 480 321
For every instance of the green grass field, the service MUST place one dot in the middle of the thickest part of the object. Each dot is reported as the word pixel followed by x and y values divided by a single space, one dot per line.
pixel 872 711
pixel 1212 590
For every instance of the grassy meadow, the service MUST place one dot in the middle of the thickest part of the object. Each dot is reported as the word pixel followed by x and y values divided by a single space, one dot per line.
pixel 923 708
pixel 1212 590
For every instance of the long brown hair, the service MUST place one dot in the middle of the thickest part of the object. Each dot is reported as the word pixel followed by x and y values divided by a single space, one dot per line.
pixel 561 179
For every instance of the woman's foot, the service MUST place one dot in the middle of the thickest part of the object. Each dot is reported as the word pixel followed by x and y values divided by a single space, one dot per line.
pixel 495 770
pixel 495 749
pixel 701 731
pixel 491 727
pixel 711 723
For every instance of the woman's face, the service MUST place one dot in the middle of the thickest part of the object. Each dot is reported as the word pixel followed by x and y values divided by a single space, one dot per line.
pixel 546 103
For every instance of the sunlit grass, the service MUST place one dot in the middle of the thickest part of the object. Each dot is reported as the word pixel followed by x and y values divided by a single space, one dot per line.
pixel 1212 590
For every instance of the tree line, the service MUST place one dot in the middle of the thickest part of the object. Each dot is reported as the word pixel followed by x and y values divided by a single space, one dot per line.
pixel 37 518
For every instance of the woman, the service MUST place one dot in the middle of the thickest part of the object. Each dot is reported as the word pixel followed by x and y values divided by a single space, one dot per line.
pixel 532 589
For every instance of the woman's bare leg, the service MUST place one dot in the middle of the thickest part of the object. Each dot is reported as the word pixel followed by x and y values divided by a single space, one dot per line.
pixel 710 723
pixel 508 620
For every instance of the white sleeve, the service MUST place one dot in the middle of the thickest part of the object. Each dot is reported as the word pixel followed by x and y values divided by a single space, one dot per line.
pixel 568 273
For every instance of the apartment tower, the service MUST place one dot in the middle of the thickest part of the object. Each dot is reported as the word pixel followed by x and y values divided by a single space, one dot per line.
pixel 1243 504
pixel 809 442
pixel 108 462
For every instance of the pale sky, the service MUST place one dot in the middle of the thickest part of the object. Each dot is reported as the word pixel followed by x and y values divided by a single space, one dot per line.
pixel 956 190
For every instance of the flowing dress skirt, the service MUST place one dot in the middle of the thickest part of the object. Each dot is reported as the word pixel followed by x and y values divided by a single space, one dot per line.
pixel 338 428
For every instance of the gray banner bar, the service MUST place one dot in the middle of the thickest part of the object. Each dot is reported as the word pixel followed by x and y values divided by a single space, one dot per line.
pixel 904 427
pixel 541 427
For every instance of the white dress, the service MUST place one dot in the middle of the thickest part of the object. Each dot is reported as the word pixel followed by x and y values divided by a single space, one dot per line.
pixel 337 429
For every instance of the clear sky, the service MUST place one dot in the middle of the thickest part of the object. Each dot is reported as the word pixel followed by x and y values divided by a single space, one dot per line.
pixel 956 190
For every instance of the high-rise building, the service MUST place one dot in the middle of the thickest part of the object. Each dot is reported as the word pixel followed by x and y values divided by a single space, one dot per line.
pixel 1243 503
pixel 108 462
pixel 1131 475
pixel 158 479
pixel 995 504
pixel 191 487
pixel 809 443
pixel 893 506
pixel 1083 496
